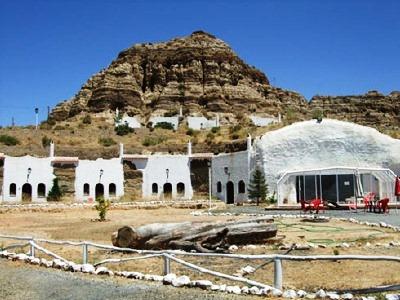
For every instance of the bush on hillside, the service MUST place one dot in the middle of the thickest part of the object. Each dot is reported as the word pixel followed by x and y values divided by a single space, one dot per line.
pixel 107 142
pixel 123 129
pixel 165 125
pixel 9 140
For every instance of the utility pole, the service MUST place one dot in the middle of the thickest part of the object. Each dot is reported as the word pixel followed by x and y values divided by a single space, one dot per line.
pixel 12 122
pixel 37 117
pixel 48 112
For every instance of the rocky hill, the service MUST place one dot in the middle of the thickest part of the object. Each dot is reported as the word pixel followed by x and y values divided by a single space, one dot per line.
pixel 203 75
pixel 199 72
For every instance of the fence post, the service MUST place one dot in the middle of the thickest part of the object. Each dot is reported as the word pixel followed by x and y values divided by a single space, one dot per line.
pixel 167 265
pixel 85 253
pixel 278 273
pixel 32 248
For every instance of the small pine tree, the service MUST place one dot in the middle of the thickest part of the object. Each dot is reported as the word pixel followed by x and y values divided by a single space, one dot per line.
pixel 102 207
pixel 55 192
pixel 258 188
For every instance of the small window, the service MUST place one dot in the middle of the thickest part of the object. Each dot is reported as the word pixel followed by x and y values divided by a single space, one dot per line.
pixel 242 187
pixel 41 190
pixel 13 190
pixel 112 190
pixel 180 189
pixel 219 187
pixel 154 188
pixel 86 189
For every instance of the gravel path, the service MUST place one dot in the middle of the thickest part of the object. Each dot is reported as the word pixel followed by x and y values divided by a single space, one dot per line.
pixel 392 218
pixel 21 281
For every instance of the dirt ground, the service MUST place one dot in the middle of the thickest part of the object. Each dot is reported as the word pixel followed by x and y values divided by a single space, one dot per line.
pixel 81 224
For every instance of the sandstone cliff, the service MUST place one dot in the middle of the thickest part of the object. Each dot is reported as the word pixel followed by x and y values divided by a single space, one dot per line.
pixel 199 72
pixel 372 109
pixel 203 75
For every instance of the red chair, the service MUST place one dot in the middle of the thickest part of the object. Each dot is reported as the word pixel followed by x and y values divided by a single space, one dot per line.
pixel 383 205
pixel 368 198
pixel 317 204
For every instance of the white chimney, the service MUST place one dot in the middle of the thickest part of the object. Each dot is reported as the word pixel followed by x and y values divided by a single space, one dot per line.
pixel 249 142
pixel 121 150
pixel 180 111
pixel 189 148
pixel 51 149
pixel 279 117
pixel 217 120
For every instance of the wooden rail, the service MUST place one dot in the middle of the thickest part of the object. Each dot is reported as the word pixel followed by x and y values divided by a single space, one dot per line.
pixel 170 255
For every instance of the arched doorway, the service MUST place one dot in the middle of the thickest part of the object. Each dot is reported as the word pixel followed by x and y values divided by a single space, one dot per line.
pixel 167 191
pixel 99 190
pixel 26 192
pixel 230 193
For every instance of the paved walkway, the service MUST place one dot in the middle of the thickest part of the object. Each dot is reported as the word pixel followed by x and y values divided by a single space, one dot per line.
pixel 392 218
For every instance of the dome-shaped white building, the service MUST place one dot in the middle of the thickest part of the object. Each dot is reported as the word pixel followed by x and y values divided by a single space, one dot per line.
pixel 331 159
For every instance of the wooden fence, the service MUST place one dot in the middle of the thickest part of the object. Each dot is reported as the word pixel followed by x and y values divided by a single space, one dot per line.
pixel 172 255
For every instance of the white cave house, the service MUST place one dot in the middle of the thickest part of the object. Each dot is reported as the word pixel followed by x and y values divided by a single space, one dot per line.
pixel 332 160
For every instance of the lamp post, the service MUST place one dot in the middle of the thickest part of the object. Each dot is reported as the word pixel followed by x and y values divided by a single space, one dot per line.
pixel 37 117
pixel 167 172
pixel 209 185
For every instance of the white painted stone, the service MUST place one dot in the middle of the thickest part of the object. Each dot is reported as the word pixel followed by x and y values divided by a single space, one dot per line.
pixel 88 268
pixel 347 296
pixel 233 248
pixel 102 271
pixel 320 293
pixel 301 293
pixel 245 290
pixel 204 284
pixel 222 287
pixel 248 269
pixel 276 292
pixel 215 287
pixel 289 294
pixel 254 290
pixel 234 289
pixel 392 296
pixel 332 296
pixel 169 278
pixel 181 281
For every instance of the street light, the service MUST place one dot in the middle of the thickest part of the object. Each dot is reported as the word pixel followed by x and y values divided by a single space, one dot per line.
pixel 101 173
pixel 209 185
pixel 167 171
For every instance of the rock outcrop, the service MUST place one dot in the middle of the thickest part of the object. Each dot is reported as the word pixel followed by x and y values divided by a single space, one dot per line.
pixel 371 109
pixel 203 75
pixel 199 72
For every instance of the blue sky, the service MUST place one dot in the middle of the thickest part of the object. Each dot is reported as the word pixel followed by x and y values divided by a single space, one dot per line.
pixel 49 48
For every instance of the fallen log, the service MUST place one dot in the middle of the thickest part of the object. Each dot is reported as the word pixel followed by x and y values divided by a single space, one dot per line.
pixel 198 236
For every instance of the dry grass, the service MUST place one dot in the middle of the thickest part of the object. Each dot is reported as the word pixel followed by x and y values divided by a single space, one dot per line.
pixel 79 225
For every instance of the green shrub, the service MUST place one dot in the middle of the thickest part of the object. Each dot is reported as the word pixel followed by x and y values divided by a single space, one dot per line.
pixel 235 136
pixel 55 193
pixel 9 140
pixel 164 125
pixel 59 127
pixel 46 141
pixel 215 129
pixel 102 207
pixel 123 129
pixel 107 142
pixel 87 119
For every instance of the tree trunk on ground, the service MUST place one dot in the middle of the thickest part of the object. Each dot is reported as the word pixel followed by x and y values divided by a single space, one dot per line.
pixel 199 236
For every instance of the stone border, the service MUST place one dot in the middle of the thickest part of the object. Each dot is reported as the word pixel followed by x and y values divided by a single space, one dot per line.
pixel 181 281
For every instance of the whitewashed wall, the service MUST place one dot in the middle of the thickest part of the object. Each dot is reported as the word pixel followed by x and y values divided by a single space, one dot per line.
pixel 155 172
pixel 132 122
pixel 263 121
pixel 198 123
pixel 238 168
pixel 331 143
pixel 88 171
pixel 16 171
pixel 173 120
